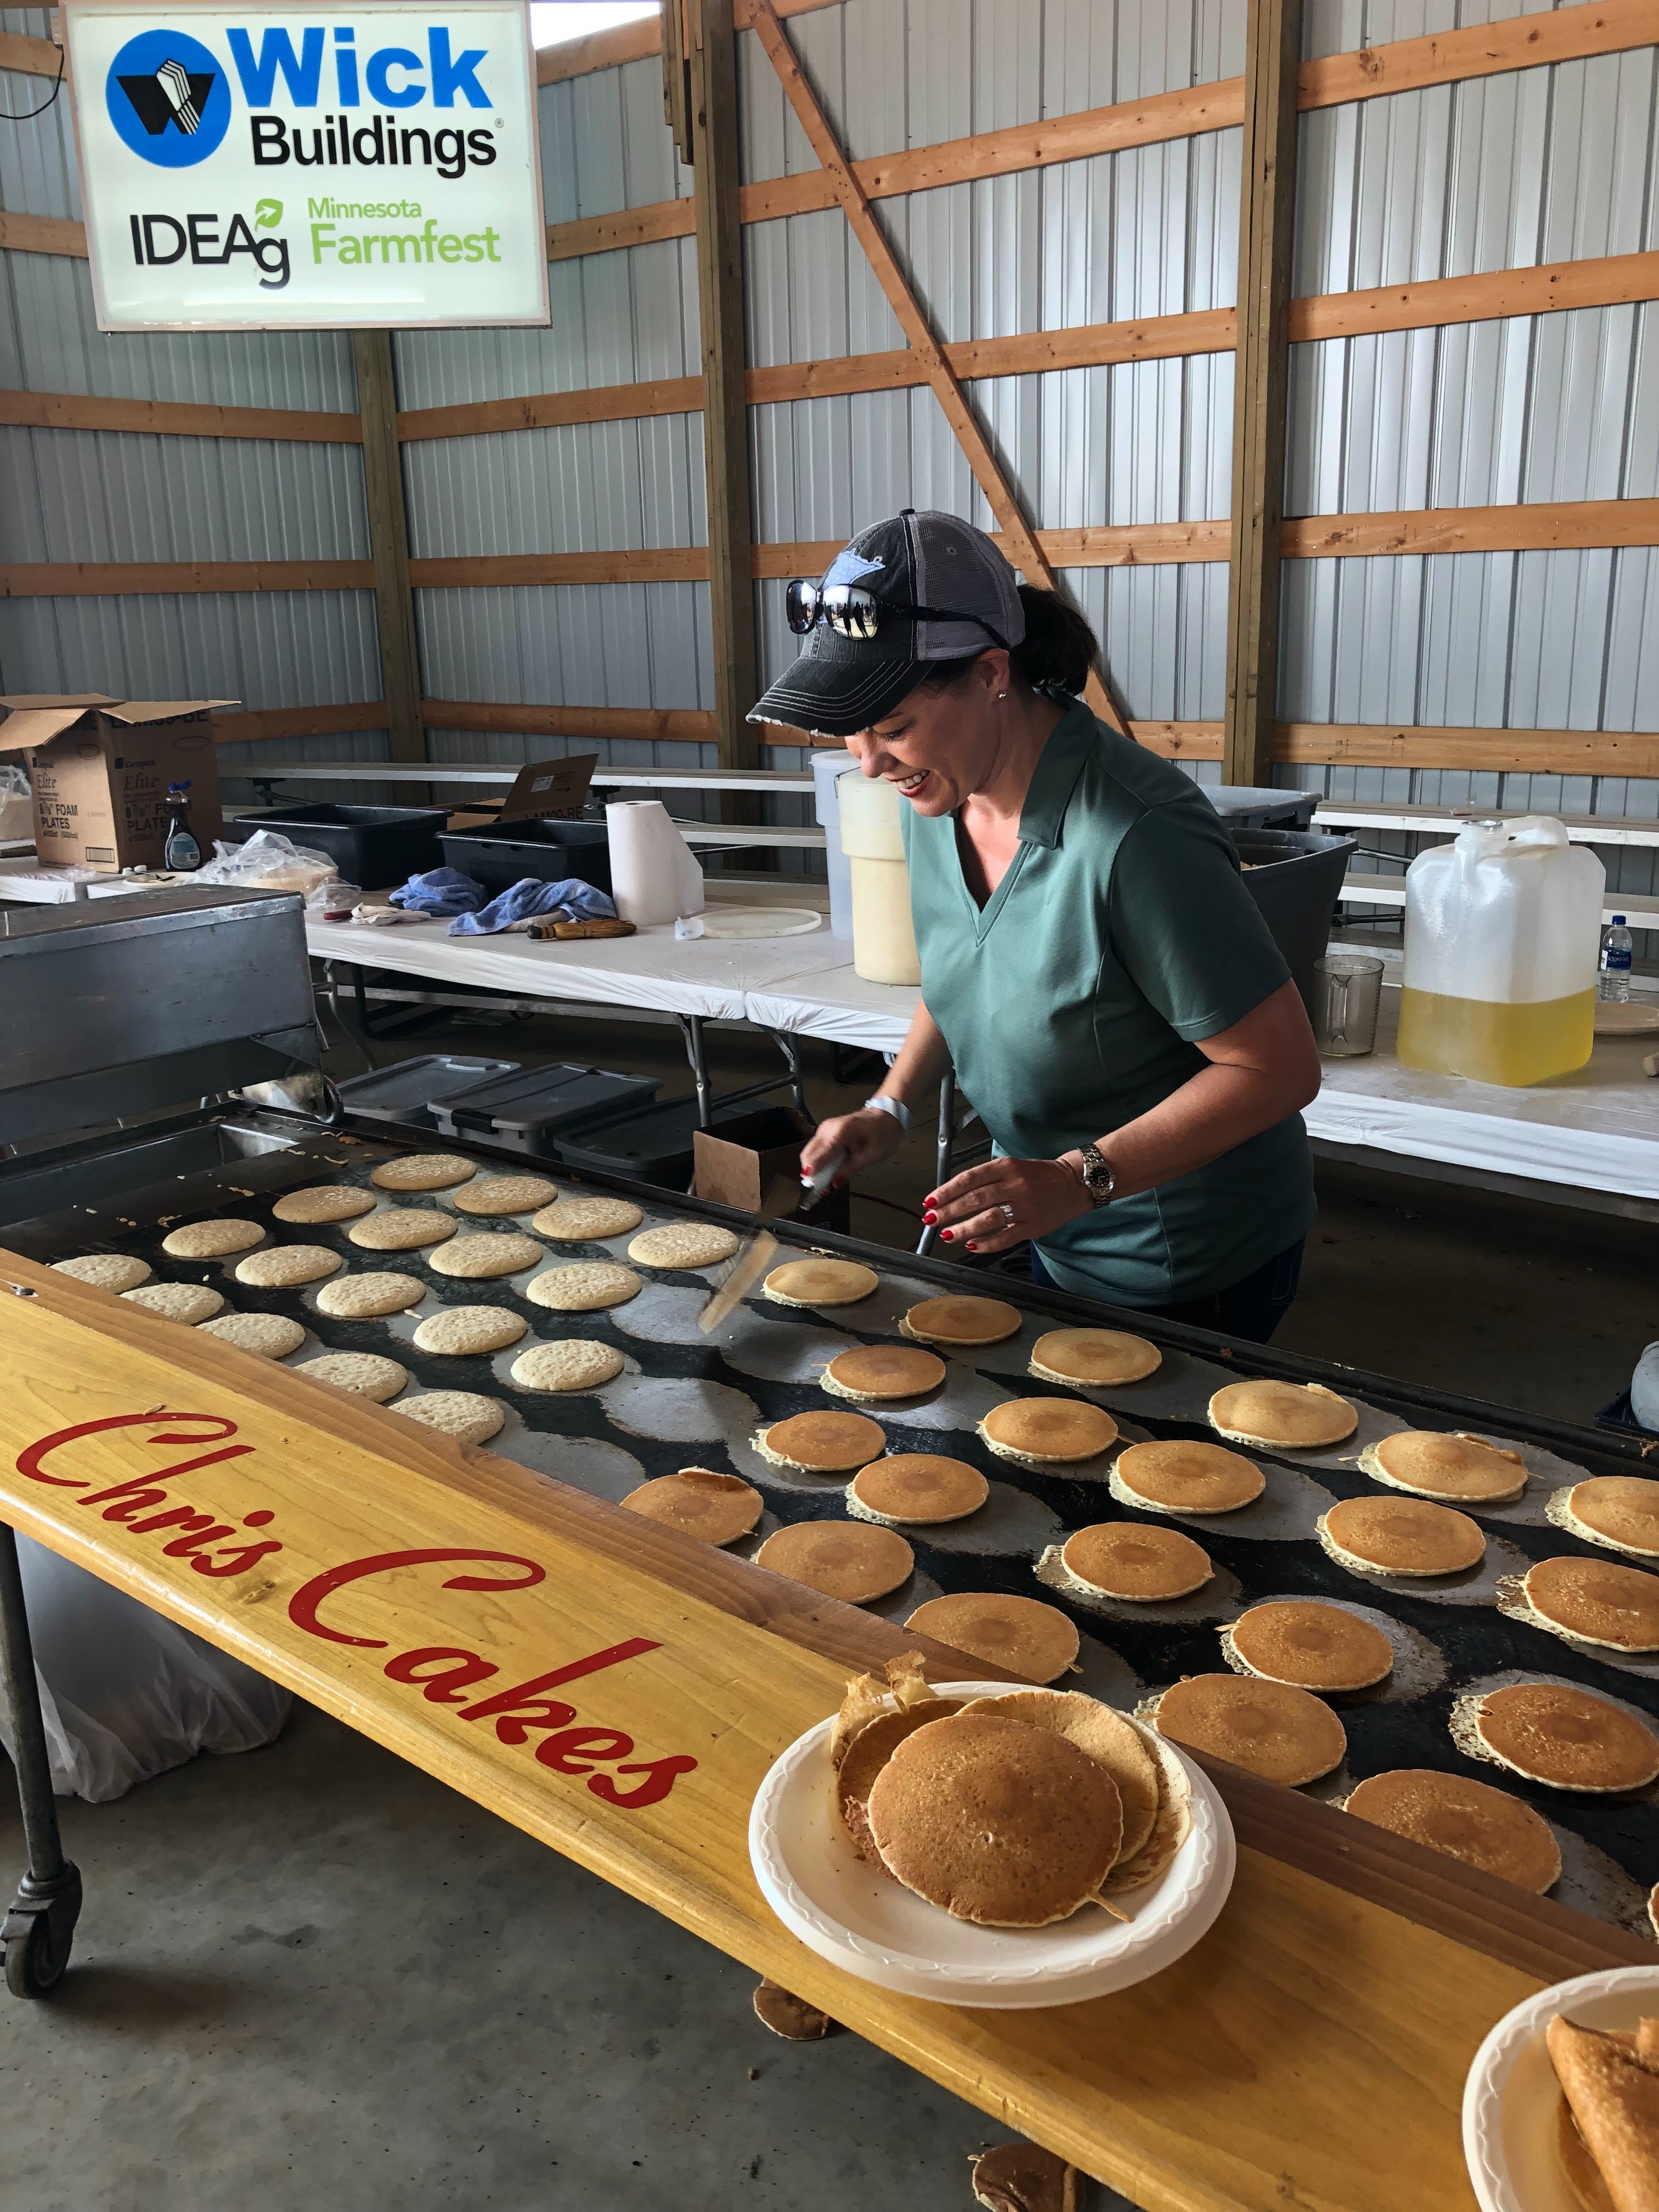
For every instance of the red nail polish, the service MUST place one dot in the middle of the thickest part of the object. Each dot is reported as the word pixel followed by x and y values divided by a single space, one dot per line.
pixel 947 1234
pixel 929 1217
pixel 973 1248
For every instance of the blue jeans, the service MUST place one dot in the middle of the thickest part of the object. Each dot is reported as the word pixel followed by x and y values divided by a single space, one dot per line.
pixel 1251 1308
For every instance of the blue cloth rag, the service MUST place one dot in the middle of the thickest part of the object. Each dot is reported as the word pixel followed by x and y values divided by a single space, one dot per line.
pixel 572 900
pixel 441 892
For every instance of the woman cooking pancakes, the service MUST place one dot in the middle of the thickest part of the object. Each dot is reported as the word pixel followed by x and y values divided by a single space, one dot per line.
pixel 1091 962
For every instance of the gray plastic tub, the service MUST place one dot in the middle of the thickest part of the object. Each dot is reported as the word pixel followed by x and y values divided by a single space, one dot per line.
pixel 1295 876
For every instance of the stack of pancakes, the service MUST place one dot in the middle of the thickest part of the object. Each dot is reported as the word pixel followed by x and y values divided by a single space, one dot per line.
pixel 1609 2131
pixel 1011 1811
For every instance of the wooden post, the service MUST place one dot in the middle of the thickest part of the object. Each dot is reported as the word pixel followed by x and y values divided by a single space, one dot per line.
pixel 1266 226
pixel 388 538
pixel 713 102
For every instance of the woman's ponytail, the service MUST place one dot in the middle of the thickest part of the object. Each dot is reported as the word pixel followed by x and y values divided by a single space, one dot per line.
pixel 1058 648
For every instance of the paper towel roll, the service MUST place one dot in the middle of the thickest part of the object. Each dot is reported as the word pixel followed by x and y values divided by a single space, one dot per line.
pixel 653 875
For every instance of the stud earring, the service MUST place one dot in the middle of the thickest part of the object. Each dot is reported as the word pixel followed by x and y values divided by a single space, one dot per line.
pixel 1002 695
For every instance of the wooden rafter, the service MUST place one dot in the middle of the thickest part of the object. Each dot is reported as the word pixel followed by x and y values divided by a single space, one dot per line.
pixel 1021 545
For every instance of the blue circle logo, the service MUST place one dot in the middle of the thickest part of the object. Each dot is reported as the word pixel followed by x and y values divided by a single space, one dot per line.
pixel 168 98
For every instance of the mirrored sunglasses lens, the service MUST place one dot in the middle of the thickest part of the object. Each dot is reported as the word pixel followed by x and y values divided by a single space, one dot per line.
pixel 852 612
pixel 800 606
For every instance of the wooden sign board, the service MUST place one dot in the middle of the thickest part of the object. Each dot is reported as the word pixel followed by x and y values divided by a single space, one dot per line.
pixel 590 1678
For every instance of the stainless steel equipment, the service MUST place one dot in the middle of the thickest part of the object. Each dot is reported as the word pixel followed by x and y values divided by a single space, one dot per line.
pixel 118 1009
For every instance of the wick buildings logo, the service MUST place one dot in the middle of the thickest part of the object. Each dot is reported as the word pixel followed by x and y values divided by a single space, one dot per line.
pixel 168 98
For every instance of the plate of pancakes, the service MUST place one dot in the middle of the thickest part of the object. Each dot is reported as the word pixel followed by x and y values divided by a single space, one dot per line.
pixel 981 1844
pixel 1561 2105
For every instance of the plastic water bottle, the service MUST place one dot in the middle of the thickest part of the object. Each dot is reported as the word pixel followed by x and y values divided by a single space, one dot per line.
pixel 180 852
pixel 1616 949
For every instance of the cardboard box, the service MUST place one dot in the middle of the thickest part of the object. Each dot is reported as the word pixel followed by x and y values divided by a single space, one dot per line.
pixel 549 790
pixel 738 1163
pixel 100 769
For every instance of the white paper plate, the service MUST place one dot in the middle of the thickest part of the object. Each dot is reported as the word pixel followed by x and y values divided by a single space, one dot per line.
pixel 1626 1018
pixel 1511 2098
pixel 862 1920
pixel 759 920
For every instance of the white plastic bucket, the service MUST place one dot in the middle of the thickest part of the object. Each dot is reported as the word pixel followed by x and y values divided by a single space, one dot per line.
pixel 828 769
pixel 884 940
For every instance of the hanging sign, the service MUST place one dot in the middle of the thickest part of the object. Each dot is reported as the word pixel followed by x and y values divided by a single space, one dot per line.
pixel 266 167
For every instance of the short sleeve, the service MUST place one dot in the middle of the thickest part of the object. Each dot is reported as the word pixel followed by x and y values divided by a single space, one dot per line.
pixel 1184 927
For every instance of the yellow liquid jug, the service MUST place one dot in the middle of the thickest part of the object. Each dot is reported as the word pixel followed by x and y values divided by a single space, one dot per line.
pixel 1502 934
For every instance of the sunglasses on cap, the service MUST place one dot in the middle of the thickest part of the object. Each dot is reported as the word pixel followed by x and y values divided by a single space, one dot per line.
pixel 852 612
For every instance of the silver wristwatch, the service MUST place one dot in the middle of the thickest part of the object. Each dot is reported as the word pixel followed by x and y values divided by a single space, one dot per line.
pixel 1098 1177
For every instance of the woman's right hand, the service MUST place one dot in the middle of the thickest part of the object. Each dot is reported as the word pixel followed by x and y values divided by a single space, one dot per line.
pixel 866 1137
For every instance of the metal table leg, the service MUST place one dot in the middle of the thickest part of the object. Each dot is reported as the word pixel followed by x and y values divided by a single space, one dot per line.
pixel 942 1150
pixel 691 1030
pixel 791 1051
pixel 37 1934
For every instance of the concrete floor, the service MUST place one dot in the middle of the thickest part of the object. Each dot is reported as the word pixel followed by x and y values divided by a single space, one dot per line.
pixel 311 1974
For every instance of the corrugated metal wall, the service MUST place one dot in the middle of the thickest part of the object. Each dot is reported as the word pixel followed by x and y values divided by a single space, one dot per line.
pixel 77 495
pixel 1501 171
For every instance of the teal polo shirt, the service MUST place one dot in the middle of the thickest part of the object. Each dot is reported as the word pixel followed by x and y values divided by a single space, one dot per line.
pixel 1121 936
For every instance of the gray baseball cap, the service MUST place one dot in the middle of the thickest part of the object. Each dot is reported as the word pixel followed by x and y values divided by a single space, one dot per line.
pixel 922 559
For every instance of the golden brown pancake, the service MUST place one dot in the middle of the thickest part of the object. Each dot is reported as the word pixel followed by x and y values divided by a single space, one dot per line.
pixel 1142 1566
pixel 1048 1431
pixel 1282 1415
pixel 718 1509
pixel 822 1444
pixel 962 1321
pixel 870 1372
pixel 1310 1646
pixel 1615 2096
pixel 1178 1476
pixel 1112 1740
pixel 1169 1829
pixel 1566 1738
pixel 1094 1357
pixel 1597 1602
pixel 1468 1821
pixel 868 1754
pixel 821 1283
pixel 1458 1468
pixel 1584 2174
pixel 1279 1733
pixel 1005 1825
pixel 1620 1510
pixel 920 1487
pixel 846 1559
pixel 1021 1633
pixel 1401 1536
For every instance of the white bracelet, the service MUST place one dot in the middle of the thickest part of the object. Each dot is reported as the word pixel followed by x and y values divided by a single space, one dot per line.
pixel 900 1112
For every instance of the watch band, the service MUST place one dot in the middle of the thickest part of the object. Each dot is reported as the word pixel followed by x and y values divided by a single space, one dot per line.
pixel 1098 1179
pixel 897 1107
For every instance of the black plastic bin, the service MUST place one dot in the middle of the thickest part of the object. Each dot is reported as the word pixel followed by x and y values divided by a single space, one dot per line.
pixel 527 1111
pixel 652 1145
pixel 498 854
pixel 1295 876
pixel 376 847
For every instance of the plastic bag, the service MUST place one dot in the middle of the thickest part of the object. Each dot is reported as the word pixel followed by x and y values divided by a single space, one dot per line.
pixel 125 1693
pixel 268 862
pixel 16 805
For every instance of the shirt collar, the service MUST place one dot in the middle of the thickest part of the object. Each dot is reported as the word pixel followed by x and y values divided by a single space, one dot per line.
pixel 1054 777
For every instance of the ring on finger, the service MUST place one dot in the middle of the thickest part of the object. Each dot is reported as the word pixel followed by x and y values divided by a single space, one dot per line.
pixel 1007 1212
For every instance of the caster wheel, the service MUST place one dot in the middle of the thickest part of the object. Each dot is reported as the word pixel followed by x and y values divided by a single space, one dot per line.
pixel 34 1964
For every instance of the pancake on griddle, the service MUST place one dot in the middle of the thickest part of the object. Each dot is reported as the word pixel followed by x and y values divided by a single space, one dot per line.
pixel 1310 1645
pixel 1002 1825
pixel 1468 1821
pixel 1048 1431
pixel 1612 2087
pixel 1565 1738
pixel 821 1283
pixel 1139 1565
pixel 1094 1358
pixel 1021 1633
pixel 869 1373
pixel 1455 1467
pixel 865 1756
pixel 962 1321
pixel 716 1509
pixel 1282 1415
pixel 920 1487
pixel 822 1444
pixel 848 1560
pixel 1112 1740
pixel 1596 1601
pixel 1177 1475
pixel 1400 1536
pixel 1282 1734
pixel 1620 1510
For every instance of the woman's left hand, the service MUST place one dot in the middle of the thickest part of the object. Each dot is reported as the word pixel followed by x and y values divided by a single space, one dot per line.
pixel 1040 1195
